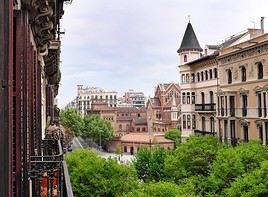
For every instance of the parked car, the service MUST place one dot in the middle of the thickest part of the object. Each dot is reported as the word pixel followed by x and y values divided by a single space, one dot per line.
pixel 69 148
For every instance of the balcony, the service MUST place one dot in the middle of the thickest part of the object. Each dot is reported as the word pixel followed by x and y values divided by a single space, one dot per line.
pixel 200 132
pixel 210 107
pixel 48 174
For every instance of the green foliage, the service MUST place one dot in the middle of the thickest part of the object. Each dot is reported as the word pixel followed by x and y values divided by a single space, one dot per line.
pixel 72 120
pixel 251 184
pixel 231 163
pixel 150 164
pixel 141 163
pixel 175 135
pixel 191 158
pixel 94 176
pixel 159 189
pixel 97 129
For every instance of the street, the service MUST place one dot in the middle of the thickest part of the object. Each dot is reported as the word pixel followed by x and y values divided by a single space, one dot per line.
pixel 78 142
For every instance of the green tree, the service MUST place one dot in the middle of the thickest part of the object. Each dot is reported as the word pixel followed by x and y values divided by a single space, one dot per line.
pixel 191 158
pixel 94 176
pixel 159 189
pixel 141 163
pixel 175 135
pixel 231 163
pixel 97 129
pixel 72 120
pixel 254 183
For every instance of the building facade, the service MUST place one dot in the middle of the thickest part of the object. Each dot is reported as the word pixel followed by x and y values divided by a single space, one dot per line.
pixel 29 74
pixel 242 94
pixel 224 91
pixel 86 95
pixel 134 98
pixel 163 111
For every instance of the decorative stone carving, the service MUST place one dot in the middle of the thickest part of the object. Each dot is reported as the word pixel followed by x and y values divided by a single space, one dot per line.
pixel 243 91
pixel 42 25
pixel 244 122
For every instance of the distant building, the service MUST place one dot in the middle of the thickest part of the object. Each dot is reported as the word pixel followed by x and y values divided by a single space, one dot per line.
pixel 72 104
pixel 86 95
pixel 163 111
pixel 132 142
pixel 123 119
pixel 135 99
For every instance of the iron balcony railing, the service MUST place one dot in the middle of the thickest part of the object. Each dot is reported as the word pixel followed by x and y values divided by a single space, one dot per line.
pixel 205 107
pixel 48 175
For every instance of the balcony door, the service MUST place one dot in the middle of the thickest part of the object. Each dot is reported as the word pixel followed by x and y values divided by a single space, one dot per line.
pixel 232 105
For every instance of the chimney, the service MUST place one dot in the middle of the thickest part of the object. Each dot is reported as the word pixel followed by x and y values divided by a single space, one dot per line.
pixel 262 24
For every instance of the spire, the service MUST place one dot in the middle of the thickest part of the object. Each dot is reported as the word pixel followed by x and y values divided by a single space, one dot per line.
pixel 189 41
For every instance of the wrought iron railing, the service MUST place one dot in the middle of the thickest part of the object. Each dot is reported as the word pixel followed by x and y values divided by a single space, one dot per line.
pixel 47 174
pixel 205 107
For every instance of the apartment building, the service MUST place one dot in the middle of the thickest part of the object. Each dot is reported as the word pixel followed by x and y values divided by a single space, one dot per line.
pixel 224 90
pixel 134 98
pixel 86 95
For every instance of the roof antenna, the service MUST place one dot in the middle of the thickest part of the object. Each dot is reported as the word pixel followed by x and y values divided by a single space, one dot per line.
pixel 189 17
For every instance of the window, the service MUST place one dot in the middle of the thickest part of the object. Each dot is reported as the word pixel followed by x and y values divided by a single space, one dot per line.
pixel 115 97
pixel 198 77
pixel 264 105
pixel 188 98
pixel 210 73
pixel 203 123
pixel 193 98
pixel 243 74
pixel 101 98
pixel 183 98
pixel 215 73
pixel 202 97
pixel 192 78
pixel 244 105
pixel 206 75
pixel 229 74
pixel 261 134
pixel 187 78
pixel 260 70
pixel 245 130
pixel 202 76
pixel 193 121
pixel 183 78
pixel 212 125
pixel 138 129
pixel 184 121
pixel 259 105
pixel 111 96
pixel 143 129
pixel 188 121
pixel 185 58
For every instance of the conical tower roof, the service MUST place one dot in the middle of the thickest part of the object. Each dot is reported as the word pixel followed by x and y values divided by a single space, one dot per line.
pixel 189 41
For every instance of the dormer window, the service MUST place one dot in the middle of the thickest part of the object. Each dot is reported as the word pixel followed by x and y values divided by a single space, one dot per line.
pixel 185 58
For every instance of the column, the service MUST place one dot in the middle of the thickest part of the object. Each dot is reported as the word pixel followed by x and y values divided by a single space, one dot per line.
pixel 264 134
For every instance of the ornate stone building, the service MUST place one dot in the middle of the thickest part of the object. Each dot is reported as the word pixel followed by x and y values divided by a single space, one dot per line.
pixel 29 76
pixel 224 91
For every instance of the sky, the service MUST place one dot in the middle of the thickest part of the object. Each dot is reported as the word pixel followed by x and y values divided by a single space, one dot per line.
pixel 132 44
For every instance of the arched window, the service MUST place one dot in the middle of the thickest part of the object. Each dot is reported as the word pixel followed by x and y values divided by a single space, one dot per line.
pixel 182 78
pixel 185 58
pixel 212 126
pixel 203 123
pixel 202 76
pixel 184 121
pixel 187 78
pixel 192 78
pixel 215 73
pixel 210 73
pixel 243 73
pixel 198 77
pixel 229 74
pixel 206 75
pixel 202 97
pixel 211 96
pixel 260 70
